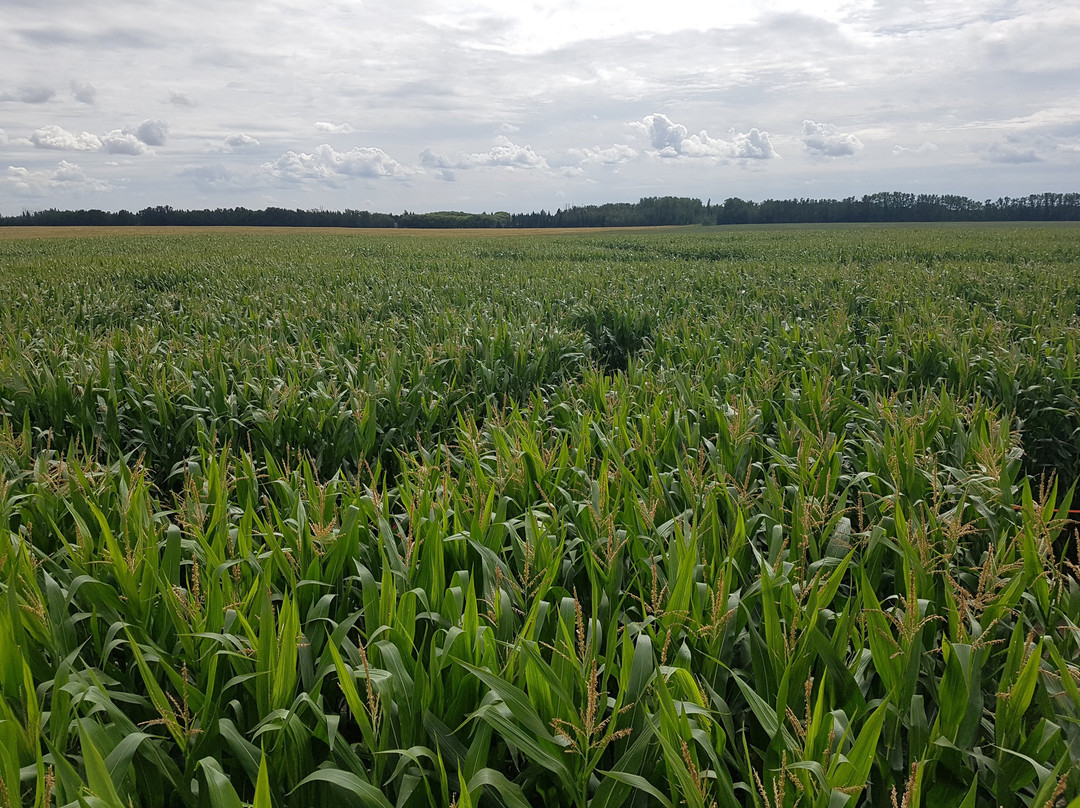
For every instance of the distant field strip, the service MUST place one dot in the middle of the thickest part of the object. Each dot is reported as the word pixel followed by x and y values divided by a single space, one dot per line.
pixel 704 517
pixel 22 232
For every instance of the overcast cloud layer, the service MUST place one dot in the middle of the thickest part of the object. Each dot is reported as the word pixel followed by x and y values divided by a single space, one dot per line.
pixel 486 106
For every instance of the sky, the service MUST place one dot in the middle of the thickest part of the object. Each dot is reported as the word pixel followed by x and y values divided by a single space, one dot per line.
pixel 486 105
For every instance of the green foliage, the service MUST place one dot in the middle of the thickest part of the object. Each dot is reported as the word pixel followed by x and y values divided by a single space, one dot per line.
pixel 766 517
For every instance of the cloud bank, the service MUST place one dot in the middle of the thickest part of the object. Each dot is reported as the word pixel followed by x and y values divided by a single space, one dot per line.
pixel 59 139
pixel 240 142
pixel 670 139
pixel 328 164
pixel 504 154
pixel 67 178
pixel 120 141
pixel 826 140
pixel 333 128
pixel 115 141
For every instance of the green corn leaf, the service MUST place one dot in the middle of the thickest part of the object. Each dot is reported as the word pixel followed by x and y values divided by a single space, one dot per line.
pixel 97 773
pixel 368 794
pixel 764 713
pixel 641 784
pixel 262 787
pixel 516 700
pixel 1011 710
pixel 538 748
pixel 511 794
pixel 171 563
pixel 218 786
pixel 952 694
pixel 853 769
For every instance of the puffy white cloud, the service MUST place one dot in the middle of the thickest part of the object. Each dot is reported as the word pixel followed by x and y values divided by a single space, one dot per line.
pixel 116 141
pixel 326 163
pixel 60 139
pixel 827 140
pixel 240 142
pixel 923 148
pixel 504 154
pixel 65 178
pixel 333 128
pixel 152 133
pixel 610 155
pixel 83 91
pixel 753 145
pixel 71 174
pixel 670 139
pixel 119 141
pixel 663 133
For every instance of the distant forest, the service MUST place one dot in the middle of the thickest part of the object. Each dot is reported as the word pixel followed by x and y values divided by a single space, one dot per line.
pixel 650 211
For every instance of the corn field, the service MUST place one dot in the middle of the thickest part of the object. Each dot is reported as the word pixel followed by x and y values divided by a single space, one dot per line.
pixel 691 517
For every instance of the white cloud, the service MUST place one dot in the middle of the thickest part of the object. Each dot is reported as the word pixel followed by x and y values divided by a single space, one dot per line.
pixel 3 138
pixel 827 140
pixel 119 141
pixel 65 178
pixel 35 93
pixel 435 160
pixel 333 128
pixel 326 163
pixel 152 133
pixel 116 141
pixel 923 148
pixel 664 134
pixel 179 99
pixel 240 142
pixel 441 164
pixel 83 91
pixel 504 154
pixel 71 174
pixel 670 139
pixel 610 155
pixel 60 139
pixel 754 145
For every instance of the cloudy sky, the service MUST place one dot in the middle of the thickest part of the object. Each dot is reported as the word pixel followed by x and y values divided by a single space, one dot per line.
pixel 496 105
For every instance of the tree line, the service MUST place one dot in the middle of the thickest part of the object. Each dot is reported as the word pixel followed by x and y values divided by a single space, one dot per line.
pixel 650 211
